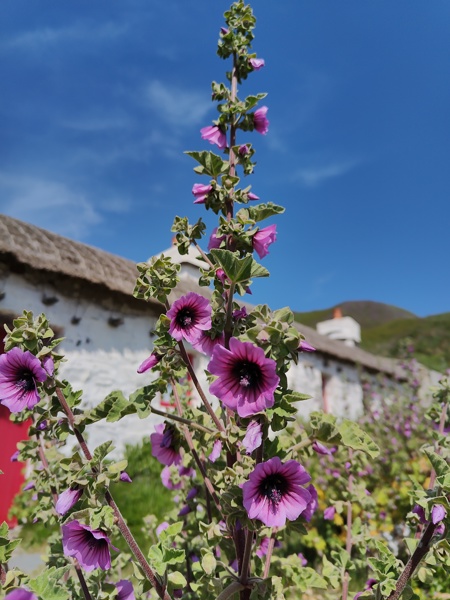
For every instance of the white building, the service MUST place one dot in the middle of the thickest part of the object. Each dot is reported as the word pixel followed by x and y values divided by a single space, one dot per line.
pixel 87 295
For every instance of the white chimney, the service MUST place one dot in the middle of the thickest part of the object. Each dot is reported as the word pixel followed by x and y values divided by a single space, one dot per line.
pixel 344 329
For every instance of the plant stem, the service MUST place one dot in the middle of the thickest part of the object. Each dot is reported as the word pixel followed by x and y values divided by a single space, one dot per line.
pixel 245 565
pixel 182 420
pixel 441 431
pixel 203 255
pixel 82 580
pixel 269 553
pixel 190 443
pixel 3 571
pixel 348 541
pixel 196 382
pixel 123 527
pixel 418 554
pixel 302 444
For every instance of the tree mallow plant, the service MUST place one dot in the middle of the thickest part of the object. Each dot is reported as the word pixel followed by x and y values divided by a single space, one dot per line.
pixel 241 468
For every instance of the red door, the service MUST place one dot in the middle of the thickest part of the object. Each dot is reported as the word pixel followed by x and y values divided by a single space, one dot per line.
pixel 12 478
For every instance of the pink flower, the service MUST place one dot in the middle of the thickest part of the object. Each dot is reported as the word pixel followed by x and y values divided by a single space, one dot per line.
pixel 312 504
pixel 215 135
pixel 168 481
pixel 189 316
pixel 19 373
pixel 89 546
pixel 274 492
pixel 125 477
pixel 263 238
pixel 328 513
pixel 200 192
pixel 260 121
pixel 67 500
pixel 320 448
pixel 243 150
pixel 125 590
pixel 21 594
pixel 217 449
pixel 206 344
pixel 253 437
pixel 252 196
pixel 305 347
pixel 215 240
pixel 162 527
pixel 246 381
pixel 438 514
pixel 257 63
pixel 164 445
pixel 149 362
pixel 302 559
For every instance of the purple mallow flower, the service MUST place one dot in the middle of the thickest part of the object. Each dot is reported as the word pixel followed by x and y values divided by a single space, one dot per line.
pixel 262 240
pixel 320 448
pixel 89 546
pixel 438 514
pixel 312 504
pixel 19 373
pixel 161 527
pixel 246 378
pixel 200 192
pixel 164 445
pixel 15 456
pixel 67 500
pixel 214 135
pixel 264 546
pixel 257 63
pixel 252 196
pixel 125 477
pixel 217 449
pixel 206 344
pixel 328 513
pixel 260 121
pixel 253 437
pixel 215 240
pixel 189 316
pixel 125 590
pixel 302 559
pixel 274 492
pixel 149 362
pixel 185 510
pixel 21 594
pixel 167 478
pixel 244 149
pixel 305 347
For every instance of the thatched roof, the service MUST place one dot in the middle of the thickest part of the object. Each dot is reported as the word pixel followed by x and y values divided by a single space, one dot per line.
pixel 29 247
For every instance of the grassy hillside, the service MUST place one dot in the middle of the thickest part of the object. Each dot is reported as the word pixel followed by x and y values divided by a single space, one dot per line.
pixel 385 328
pixel 366 312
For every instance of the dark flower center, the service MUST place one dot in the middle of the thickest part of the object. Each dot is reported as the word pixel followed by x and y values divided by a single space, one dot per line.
pixel 185 317
pixel 166 442
pixel 93 542
pixel 25 380
pixel 249 374
pixel 274 487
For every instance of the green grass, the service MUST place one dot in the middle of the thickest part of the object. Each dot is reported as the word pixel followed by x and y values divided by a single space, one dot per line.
pixel 146 494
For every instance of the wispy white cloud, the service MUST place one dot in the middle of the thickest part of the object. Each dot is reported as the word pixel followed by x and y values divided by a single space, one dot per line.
pixel 53 205
pixel 316 175
pixel 180 108
pixel 98 123
pixel 50 36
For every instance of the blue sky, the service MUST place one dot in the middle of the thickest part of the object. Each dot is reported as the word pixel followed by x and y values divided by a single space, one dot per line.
pixel 100 99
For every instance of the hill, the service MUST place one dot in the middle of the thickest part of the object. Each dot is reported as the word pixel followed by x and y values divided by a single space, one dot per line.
pixel 385 329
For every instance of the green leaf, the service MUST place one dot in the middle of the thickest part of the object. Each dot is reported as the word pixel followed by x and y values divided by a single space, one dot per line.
pixel 112 408
pixel 296 397
pixel 210 164
pixel 440 465
pixel 354 437
pixel 177 579
pixel 46 585
pixel 238 269
pixel 264 211
pixel 209 563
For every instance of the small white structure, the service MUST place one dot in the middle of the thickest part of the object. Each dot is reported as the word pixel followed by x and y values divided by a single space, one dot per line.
pixel 344 329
